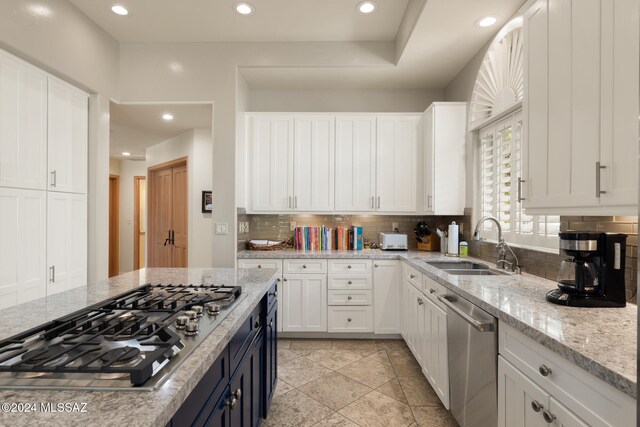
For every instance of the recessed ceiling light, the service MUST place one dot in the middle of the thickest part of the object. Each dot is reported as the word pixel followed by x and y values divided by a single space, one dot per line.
pixel 167 116
pixel 120 10
pixel 126 153
pixel 40 10
pixel 366 7
pixel 487 21
pixel 243 8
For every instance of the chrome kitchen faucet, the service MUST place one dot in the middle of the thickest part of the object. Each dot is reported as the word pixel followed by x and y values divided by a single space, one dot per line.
pixel 501 247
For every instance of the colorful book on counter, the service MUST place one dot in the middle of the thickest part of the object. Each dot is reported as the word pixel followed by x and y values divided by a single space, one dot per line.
pixel 323 238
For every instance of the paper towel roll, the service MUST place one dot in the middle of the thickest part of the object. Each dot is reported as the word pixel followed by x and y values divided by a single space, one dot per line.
pixel 453 239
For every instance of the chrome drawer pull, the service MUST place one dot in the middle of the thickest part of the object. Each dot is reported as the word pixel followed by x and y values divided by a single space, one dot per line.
pixel 536 406
pixel 350 282
pixel 548 416
pixel 545 371
pixel 349 298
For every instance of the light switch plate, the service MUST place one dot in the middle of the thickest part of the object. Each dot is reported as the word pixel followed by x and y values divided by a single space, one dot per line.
pixel 222 228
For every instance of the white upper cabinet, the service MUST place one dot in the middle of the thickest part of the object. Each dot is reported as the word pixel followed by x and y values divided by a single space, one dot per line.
pixel 23 124
pixel 396 163
pixel 314 144
pixel 444 125
pixel 66 241
pixel 581 106
pixel 272 166
pixel 68 137
pixel 355 169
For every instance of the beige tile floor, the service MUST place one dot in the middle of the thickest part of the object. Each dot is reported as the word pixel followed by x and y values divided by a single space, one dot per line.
pixel 347 383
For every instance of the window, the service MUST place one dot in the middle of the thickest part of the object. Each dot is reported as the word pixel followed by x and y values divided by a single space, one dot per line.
pixel 500 168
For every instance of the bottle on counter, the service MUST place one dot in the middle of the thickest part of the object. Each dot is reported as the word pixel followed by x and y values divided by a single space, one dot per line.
pixel 464 248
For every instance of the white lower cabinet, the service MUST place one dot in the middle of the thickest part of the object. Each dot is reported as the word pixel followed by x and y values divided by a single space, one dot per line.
pixel 536 387
pixel 66 241
pixel 23 227
pixel 386 296
pixel 350 319
pixel 304 303
pixel 436 362
pixel 267 263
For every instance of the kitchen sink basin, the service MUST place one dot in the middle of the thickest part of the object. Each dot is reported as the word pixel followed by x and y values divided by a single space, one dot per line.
pixel 457 265
pixel 487 272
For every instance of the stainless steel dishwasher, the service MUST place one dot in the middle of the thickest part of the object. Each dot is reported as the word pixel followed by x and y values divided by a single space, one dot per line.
pixel 472 341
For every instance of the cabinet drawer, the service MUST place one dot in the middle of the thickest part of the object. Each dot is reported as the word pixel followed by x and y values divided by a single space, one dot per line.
pixel 412 275
pixel 272 297
pixel 260 263
pixel 355 266
pixel 310 266
pixel 356 297
pixel 350 319
pixel 593 400
pixel 350 282
pixel 432 290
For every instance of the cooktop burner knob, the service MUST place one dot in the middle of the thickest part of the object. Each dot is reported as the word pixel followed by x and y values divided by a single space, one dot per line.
pixel 198 309
pixel 191 314
pixel 191 328
pixel 213 308
pixel 181 322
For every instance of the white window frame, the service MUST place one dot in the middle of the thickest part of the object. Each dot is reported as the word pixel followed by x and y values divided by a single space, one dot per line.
pixel 540 231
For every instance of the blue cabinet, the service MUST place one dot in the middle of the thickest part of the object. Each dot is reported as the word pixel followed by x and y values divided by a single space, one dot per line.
pixel 237 390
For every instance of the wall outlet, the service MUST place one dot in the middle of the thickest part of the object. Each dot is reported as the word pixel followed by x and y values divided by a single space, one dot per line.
pixel 222 228
pixel 243 227
pixel 246 226
pixel 394 226
pixel 292 226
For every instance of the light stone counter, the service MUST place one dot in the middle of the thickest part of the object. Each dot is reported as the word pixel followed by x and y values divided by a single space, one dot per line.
pixel 132 408
pixel 601 341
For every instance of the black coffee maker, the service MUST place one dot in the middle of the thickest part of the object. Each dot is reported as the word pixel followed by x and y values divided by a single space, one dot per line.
pixel 594 275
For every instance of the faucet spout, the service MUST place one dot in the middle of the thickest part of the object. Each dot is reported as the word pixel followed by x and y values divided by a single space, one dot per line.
pixel 488 218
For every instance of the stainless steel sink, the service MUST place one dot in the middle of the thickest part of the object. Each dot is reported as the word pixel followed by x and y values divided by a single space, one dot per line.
pixel 487 272
pixel 457 265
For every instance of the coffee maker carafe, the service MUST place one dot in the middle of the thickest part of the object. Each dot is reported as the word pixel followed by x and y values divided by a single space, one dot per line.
pixel 593 276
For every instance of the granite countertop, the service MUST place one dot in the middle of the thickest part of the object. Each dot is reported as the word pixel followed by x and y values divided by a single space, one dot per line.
pixel 602 341
pixel 138 408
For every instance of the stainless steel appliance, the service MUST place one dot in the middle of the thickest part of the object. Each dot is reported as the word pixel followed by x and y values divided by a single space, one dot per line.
pixel 593 276
pixel 472 341
pixel 132 341
pixel 393 242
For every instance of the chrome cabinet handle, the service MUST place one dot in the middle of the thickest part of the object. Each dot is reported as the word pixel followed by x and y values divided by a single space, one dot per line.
pixel 52 274
pixel 349 298
pixel 548 416
pixel 599 168
pixel 350 282
pixel 420 302
pixel 432 291
pixel 375 265
pixel 274 294
pixel 412 276
pixel 278 279
pixel 536 406
pixel 545 371
pixel 372 202
pixel 289 202
pixel 349 319
pixel 271 324
pixel 295 202
pixel 285 279
pixel 378 202
pixel 259 265
pixel 53 178
pixel 349 266
pixel 429 200
pixel 304 266
pixel 234 399
pixel 520 181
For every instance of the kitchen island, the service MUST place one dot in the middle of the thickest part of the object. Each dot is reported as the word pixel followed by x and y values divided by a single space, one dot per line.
pixel 117 408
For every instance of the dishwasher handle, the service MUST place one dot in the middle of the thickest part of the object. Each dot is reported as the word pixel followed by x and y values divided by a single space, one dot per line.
pixel 477 324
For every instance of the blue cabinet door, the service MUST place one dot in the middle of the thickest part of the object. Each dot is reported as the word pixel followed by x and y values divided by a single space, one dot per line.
pixel 246 387
pixel 271 357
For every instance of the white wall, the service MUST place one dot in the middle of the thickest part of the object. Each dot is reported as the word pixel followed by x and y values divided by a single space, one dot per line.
pixel 396 101
pixel 114 166
pixel 197 146
pixel 128 170
pixel 66 43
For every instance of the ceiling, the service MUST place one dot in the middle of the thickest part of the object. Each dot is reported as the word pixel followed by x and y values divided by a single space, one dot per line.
pixel 134 128
pixel 273 20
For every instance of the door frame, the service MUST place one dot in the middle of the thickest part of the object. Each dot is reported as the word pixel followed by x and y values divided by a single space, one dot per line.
pixel 136 219
pixel 114 224
pixel 151 194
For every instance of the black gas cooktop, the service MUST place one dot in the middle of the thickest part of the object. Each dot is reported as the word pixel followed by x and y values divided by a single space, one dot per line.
pixel 131 341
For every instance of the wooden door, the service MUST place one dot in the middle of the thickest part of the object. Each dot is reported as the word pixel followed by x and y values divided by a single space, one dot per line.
pixel 139 221
pixel 168 215
pixel 114 225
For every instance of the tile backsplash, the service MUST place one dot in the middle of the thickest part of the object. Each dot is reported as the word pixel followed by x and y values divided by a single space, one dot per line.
pixel 278 227
pixel 547 264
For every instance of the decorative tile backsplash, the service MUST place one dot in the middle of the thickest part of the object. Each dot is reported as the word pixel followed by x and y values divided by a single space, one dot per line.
pixel 279 227
pixel 547 265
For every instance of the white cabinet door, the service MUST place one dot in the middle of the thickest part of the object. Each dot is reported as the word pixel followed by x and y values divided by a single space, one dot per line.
pixel 386 296
pixel 314 145
pixel 619 91
pixel 444 158
pixel 23 274
pixel 562 416
pixel 23 124
pixel 439 361
pixel 396 157
pixel 267 263
pixel 68 137
pixel 355 163
pixel 272 163
pixel 66 241
pixel 304 303
pixel 520 402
